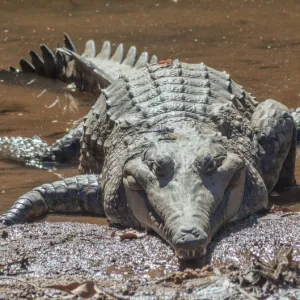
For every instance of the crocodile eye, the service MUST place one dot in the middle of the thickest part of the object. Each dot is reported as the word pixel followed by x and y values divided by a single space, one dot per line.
pixel 157 170
pixel 208 163
pixel 161 164
pixel 161 167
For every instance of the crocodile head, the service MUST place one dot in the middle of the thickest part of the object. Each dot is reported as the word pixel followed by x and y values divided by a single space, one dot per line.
pixel 185 190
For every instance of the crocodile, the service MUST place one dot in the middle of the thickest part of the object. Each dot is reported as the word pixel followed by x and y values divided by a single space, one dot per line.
pixel 171 147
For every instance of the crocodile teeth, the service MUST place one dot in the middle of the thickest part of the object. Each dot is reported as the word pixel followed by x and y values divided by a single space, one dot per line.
pixel 190 254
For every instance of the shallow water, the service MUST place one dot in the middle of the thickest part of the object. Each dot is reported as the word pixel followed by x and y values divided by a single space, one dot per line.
pixel 257 42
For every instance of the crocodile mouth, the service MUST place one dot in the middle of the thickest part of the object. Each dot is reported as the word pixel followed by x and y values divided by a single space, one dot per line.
pixel 190 254
pixel 183 254
pixel 149 217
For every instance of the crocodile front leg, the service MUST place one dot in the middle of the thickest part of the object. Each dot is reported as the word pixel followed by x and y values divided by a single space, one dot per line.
pixel 276 133
pixel 75 194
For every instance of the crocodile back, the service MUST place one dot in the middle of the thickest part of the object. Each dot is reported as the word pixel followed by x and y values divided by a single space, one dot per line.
pixel 156 93
pixel 157 97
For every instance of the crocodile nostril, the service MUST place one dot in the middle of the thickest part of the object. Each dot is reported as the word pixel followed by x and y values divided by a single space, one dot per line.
pixel 192 230
pixel 190 239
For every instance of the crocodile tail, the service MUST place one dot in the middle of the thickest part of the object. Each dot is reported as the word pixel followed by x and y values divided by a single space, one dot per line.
pixel 37 153
pixel 74 194
pixel 96 71
pixel 31 151
pixel 53 64
pixel 90 71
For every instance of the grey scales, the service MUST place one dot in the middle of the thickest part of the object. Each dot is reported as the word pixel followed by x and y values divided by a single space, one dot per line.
pixel 171 147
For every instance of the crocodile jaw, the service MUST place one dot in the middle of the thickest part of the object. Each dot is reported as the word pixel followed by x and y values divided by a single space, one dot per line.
pixel 186 208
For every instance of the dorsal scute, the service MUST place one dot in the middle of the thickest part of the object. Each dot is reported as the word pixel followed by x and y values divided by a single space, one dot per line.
pixel 91 71
pixel 243 101
pixel 173 88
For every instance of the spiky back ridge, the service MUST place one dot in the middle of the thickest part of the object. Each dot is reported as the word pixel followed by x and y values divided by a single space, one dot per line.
pixel 149 99
pixel 94 72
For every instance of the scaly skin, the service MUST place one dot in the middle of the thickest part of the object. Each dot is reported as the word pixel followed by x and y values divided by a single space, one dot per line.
pixel 84 190
pixel 60 64
pixel 35 152
pixel 181 149
pixel 296 116
pixel 160 179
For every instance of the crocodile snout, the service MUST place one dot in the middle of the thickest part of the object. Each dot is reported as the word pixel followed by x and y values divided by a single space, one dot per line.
pixel 190 243
pixel 190 239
